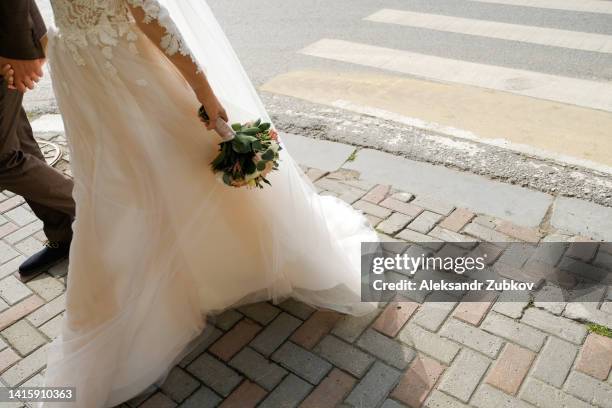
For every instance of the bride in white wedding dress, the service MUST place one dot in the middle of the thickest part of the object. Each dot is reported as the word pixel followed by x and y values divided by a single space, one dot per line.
pixel 159 242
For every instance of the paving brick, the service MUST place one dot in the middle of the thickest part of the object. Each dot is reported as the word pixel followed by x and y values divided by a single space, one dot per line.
pixel 227 319
pixel 8 357
pixel 454 237
pixel 402 196
pixel 262 312
pixel 20 216
pixel 214 374
pixel 434 311
pixel 596 356
pixel 464 375
pixel 582 249
pixel 7 252
pixel 297 308
pixel 472 337
pixel 29 246
pixel 429 343
pixel 46 286
pixel 23 232
pixel 374 387
pixel 457 219
pixel 344 356
pixel 23 337
pixel 257 368
pixel 474 307
pixel 489 397
pixel 390 351
pixel 25 368
pixel 417 382
pixel 247 395
pixel 13 290
pixel 555 325
pixel 425 240
pixel 546 293
pixel 512 304
pixel 200 344
pixel 349 328
pixel 394 316
pixel 433 204
pixel 396 222
pixel 372 209
pixel 331 391
pixel 589 389
pixel 19 310
pixel 159 400
pixel 376 194
pixel 554 362
pixel 313 329
pixel 302 362
pixel 275 333
pixel 425 222
pixel 11 203
pixel 516 231
pixel 204 397
pixel 486 234
pixel 289 393
pixel 179 385
pixel 402 207
pixel 514 331
pixel 438 399
pixel 510 369
pixel 235 339
pixel 372 220
pixel 587 311
pixel 11 266
pixel 545 396
pixel 389 403
pixel 604 260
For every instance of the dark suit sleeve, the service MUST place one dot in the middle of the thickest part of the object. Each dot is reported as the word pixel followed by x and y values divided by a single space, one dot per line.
pixel 21 28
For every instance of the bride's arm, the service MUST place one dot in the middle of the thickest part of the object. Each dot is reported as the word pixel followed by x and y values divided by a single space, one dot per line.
pixel 169 41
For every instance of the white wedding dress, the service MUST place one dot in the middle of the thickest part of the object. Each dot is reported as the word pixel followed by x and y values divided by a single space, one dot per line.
pixel 159 242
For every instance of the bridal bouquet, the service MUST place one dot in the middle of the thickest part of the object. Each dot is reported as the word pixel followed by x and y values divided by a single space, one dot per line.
pixel 249 156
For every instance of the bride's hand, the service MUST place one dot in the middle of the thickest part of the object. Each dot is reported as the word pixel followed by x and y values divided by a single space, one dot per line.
pixel 213 107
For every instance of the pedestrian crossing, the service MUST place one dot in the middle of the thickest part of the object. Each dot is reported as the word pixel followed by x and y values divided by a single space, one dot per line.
pixel 590 94
pixel 582 100
pixel 503 31
pixel 588 6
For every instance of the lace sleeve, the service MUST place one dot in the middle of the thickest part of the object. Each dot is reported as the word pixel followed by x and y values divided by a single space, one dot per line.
pixel 164 29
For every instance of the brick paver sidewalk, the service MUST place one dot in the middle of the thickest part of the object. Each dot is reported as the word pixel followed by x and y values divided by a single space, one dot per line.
pixel 442 354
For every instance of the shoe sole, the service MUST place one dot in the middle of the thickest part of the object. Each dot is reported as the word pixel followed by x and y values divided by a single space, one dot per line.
pixel 40 271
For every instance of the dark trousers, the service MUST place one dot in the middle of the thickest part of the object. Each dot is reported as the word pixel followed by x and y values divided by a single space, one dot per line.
pixel 24 171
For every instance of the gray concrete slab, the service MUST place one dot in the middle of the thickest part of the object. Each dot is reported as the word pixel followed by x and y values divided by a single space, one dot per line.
pixel 516 204
pixel 321 154
pixel 582 217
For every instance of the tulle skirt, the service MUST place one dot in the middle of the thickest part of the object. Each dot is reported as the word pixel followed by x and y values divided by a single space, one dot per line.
pixel 159 242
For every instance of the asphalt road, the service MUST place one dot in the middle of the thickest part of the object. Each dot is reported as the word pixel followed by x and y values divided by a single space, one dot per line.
pixel 521 93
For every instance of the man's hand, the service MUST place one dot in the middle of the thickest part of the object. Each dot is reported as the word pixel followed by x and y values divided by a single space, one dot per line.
pixel 25 73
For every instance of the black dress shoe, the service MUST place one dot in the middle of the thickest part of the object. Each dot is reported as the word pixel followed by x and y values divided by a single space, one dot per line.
pixel 52 254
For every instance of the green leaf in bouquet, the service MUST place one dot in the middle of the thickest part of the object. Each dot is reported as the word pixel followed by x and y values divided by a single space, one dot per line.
pixel 227 179
pixel 264 126
pixel 265 180
pixel 249 167
pixel 268 155
pixel 257 146
pixel 250 131
pixel 236 126
pixel 242 143
pixel 261 165
pixel 257 123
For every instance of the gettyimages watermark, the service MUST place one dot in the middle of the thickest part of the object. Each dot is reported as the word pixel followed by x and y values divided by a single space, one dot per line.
pixel 477 271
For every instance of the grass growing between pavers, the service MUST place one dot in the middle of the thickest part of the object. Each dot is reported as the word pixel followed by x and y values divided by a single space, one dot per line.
pixel 353 156
pixel 599 329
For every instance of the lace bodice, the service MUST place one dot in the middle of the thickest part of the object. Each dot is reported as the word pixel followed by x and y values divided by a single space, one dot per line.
pixel 103 23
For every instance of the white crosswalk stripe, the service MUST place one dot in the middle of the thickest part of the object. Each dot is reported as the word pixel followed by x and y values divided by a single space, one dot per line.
pixel 491 29
pixel 590 94
pixel 589 6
